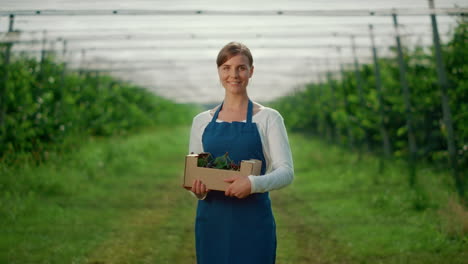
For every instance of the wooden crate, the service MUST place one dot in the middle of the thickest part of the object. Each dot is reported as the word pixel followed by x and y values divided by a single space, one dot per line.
pixel 214 178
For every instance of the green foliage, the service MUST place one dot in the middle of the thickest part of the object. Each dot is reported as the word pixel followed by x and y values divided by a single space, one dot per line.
pixel 205 159
pixel 46 104
pixel 329 109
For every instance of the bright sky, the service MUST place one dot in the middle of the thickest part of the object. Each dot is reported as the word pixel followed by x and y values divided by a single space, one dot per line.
pixel 174 55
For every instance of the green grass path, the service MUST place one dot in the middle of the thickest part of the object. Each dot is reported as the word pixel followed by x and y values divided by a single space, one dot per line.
pixel 120 201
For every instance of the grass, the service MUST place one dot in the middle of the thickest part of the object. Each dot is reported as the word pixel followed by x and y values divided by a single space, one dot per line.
pixel 67 210
pixel 119 200
pixel 378 218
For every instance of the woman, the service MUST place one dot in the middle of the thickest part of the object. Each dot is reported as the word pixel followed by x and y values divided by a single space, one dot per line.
pixel 237 226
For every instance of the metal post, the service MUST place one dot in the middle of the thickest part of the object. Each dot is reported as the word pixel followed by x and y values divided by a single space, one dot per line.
pixel 62 89
pixel 326 106
pixel 359 84
pixel 4 82
pixel 315 84
pixel 43 55
pixel 335 134
pixel 83 55
pixel 12 21
pixel 64 69
pixel 408 109
pixel 97 80
pixel 378 83
pixel 321 101
pixel 44 42
pixel 345 101
pixel 444 86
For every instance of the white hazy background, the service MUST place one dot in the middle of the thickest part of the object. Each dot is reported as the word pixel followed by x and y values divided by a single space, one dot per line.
pixel 174 55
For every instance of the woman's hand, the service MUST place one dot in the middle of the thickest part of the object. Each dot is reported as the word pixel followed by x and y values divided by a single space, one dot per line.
pixel 199 189
pixel 240 187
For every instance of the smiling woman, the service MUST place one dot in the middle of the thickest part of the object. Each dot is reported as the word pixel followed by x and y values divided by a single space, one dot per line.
pixel 235 68
pixel 237 226
pixel 235 73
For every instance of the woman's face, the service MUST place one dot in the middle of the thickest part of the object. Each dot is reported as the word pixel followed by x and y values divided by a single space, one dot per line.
pixel 235 73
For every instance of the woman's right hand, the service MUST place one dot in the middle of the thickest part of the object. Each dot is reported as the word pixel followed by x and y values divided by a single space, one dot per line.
pixel 199 189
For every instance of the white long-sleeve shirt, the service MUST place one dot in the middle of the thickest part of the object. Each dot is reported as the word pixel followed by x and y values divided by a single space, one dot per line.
pixel 276 149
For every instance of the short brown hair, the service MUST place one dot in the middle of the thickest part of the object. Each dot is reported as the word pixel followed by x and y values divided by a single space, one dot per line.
pixel 232 49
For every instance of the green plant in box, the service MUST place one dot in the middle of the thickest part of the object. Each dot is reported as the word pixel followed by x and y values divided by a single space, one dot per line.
pixel 204 158
pixel 224 162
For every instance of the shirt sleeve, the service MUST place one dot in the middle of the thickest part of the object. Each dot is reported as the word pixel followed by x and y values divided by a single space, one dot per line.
pixel 282 172
pixel 195 143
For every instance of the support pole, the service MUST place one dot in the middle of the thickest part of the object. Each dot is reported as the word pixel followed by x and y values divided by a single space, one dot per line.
pixel 44 42
pixel 4 83
pixel 62 89
pixel 82 62
pixel 316 97
pixel 408 109
pixel 335 134
pixel 64 69
pixel 324 126
pixel 447 115
pixel 359 84
pixel 43 55
pixel 326 105
pixel 345 102
pixel 378 82
pixel 12 22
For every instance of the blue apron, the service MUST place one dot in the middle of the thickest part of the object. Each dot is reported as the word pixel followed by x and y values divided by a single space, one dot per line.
pixel 229 230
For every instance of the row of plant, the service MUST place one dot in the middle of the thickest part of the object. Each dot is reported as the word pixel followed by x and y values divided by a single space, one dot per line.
pixel 47 104
pixel 338 111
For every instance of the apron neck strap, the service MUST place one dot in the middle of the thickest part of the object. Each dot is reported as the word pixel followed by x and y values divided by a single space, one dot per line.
pixel 249 112
pixel 215 116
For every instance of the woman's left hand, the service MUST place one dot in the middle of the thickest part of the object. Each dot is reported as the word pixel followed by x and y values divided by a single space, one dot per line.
pixel 240 187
